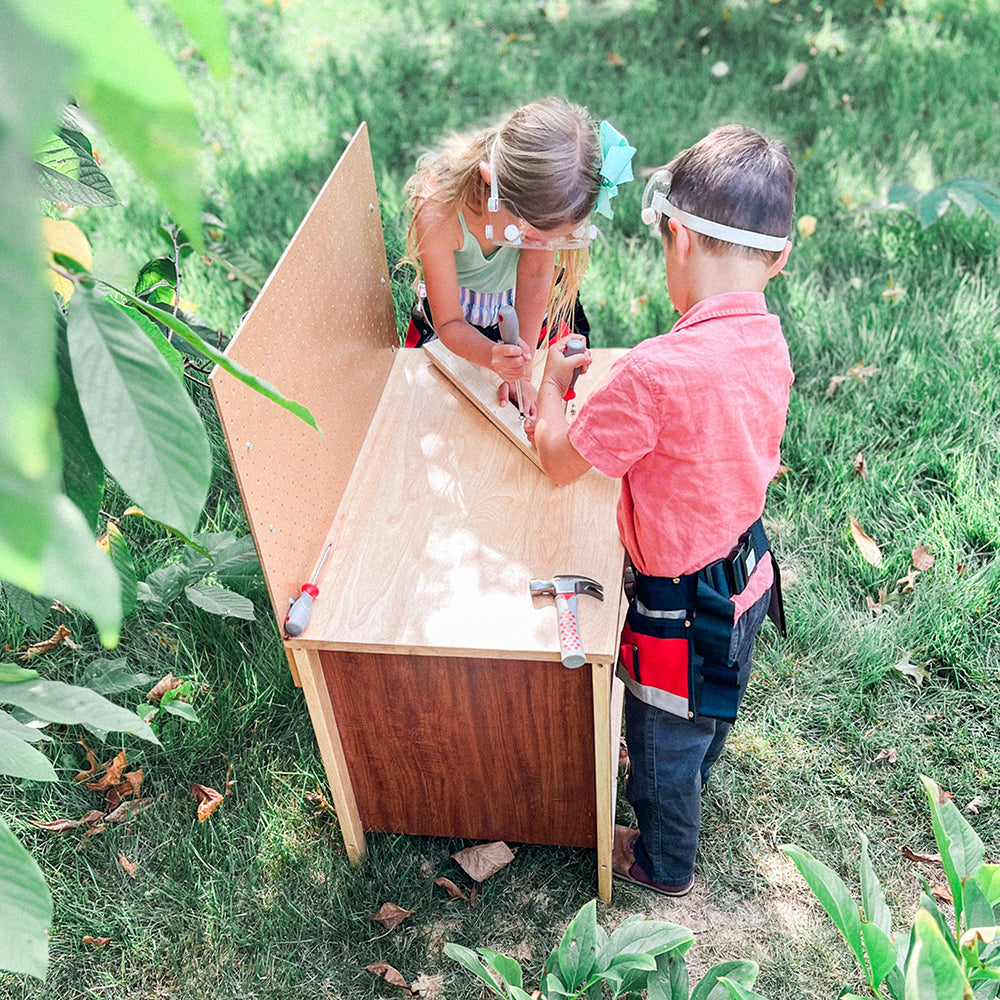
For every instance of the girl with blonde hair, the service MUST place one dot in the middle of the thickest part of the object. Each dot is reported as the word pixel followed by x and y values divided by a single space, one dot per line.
pixel 495 216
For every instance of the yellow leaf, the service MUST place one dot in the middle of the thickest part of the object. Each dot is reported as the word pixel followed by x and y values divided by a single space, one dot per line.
pixel 868 547
pixel 806 225
pixel 64 237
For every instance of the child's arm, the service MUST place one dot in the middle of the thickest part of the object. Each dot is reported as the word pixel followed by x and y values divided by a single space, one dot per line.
pixel 439 235
pixel 561 462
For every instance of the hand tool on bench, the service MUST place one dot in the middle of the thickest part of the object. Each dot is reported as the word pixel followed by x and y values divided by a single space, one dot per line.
pixel 564 589
pixel 575 345
pixel 301 610
pixel 509 334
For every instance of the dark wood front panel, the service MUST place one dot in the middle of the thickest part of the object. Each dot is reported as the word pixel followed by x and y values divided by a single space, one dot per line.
pixel 482 749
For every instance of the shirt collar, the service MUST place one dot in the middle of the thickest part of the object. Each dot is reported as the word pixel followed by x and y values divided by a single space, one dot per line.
pixel 723 306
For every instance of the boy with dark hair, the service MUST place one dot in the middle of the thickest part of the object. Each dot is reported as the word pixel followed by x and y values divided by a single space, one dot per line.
pixel 691 422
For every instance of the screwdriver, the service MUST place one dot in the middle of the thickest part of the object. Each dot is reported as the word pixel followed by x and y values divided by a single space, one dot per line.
pixel 507 320
pixel 575 345
pixel 301 610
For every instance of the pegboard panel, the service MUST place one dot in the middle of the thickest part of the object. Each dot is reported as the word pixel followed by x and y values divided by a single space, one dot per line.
pixel 323 332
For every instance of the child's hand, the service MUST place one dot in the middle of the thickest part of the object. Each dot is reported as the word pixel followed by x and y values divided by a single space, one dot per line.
pixel 512 362
pixel 507 393
pixel 559 369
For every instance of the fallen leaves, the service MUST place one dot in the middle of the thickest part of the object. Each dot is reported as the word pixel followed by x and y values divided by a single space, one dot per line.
pixel 920 859
pixel 61 635
pixel 483 860
pixel 917 672
pixel 859 373
pixel 450 888
pixel 385 971
pixel 165 684
pixel 208 800
pixel 128 866
pixel 889 755
pixel 868 546
pixel 389 915
pixel 97 942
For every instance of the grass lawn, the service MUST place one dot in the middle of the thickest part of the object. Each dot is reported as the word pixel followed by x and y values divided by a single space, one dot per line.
pixel 894 333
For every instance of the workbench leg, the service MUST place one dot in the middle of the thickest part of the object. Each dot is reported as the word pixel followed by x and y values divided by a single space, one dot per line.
pixel 605 774
pixel 310 671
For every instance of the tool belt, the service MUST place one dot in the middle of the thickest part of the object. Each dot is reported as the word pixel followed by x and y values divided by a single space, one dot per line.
pixel 678 633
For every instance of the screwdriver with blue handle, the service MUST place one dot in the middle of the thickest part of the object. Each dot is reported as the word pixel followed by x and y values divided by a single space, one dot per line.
pixel 301 610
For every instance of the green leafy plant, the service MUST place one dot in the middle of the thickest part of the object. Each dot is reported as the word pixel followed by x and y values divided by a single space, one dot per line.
pixel 934 960
pixel 24 943
pixel 640 957
pixel 969 193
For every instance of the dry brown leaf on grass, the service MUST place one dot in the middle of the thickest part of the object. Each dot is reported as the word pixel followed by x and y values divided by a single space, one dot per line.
pixel 975 805
pixel 318 799
pixel 389 915
pixel 907 583
pixel 112 774
pixel 208 800
pixel 58 825
pixel 162 686
pixel 129 785
pixel 888 755
pixel 483 860
pixel 129 866
pixel 97 942
pixel 61 634
pixel 921 558
pixel 917 672
pixel 877 607
pixel 385 971
pixel 428 987
pixel 450 888
pixel 868 546
pixel 860 466
pixel 921 859
pixel 128 809
pixel 942 892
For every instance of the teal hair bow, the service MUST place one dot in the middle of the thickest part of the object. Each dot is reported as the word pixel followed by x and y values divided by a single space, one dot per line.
pixel 617 167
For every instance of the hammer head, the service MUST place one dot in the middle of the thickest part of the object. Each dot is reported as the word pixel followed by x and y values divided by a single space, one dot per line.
pixel 567 585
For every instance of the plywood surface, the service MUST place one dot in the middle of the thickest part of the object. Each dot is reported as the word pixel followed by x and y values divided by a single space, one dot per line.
pixel 323 332
pixel 443 525
pixel 480 385
pixel 484 749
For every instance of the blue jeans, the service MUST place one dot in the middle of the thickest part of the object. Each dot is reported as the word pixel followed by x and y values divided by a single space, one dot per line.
pixel 670 760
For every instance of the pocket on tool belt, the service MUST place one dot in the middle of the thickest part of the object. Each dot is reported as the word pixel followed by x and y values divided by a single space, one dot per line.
pixel 657 653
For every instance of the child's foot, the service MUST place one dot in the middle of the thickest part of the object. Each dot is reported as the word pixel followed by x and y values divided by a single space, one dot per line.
pixel 625 867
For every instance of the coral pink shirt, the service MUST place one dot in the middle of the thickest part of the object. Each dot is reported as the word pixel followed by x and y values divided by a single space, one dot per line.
pixel 691 421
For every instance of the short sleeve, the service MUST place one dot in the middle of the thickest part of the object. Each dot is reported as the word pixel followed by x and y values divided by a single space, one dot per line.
pixel 620 421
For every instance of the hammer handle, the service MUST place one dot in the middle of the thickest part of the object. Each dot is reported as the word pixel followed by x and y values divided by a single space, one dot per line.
pixel 570 644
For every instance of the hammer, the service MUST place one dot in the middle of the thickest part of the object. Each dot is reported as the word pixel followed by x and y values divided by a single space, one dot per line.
pixel 564 589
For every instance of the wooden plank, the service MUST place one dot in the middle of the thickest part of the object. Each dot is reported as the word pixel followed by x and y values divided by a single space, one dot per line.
pixel 604 773
pixel 323 331
pixel 441 529
pixel 324 721
pixel 476 748
pixel 479 385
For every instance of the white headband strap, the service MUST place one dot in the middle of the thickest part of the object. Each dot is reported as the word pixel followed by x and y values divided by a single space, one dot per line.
pixel 742 237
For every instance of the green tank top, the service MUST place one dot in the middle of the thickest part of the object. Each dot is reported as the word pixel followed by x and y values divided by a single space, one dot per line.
pixel 496 273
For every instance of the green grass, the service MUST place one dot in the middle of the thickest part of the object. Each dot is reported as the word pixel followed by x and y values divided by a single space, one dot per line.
pixel 260 901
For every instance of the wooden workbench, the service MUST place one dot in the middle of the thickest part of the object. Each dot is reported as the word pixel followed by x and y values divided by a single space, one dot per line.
pixel 431 675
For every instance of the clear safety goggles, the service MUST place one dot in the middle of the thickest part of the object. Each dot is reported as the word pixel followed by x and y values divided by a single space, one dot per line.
pixel 524 236
pixel 656 204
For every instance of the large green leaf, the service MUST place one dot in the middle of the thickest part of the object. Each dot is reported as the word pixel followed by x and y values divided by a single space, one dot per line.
pixel 83 470
pixel 69 173
pixel 988 878
pixel 55 701
pixel 143 424
pixel 27 914
pixel 832 894
pixel 30 609
pixel 235 369
pixel 19 760
pixel 740 971
pixel 641 936
pixel 112 677
pixel 876 910
pixel 126 80
pixel 206 22
pixel 933 972
pixel 469 960
pixel 960 847
pixel 32 77
pixel 739 991
pixel 28 734
pixel 576 953
pixel 219 601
